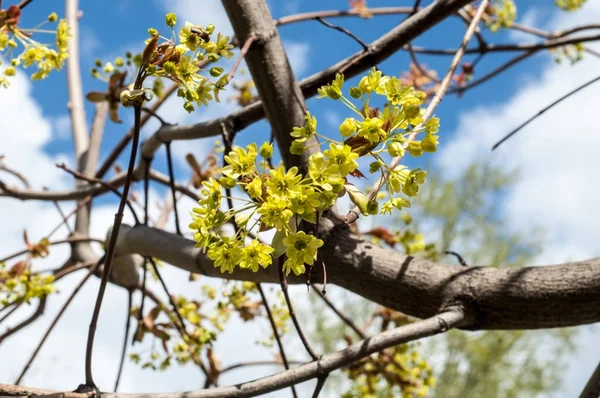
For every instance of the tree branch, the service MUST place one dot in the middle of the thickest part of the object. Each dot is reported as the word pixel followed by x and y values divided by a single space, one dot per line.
pixel 328 363
pixel 497 296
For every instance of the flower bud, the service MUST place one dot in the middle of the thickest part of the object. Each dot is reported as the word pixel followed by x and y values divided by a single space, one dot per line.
pixel 171 19
pixel 355 92
pixel 216 71
pixel 266 150
pixel 348 127
pixel 396 149
pixel 52 17
pixel 297 148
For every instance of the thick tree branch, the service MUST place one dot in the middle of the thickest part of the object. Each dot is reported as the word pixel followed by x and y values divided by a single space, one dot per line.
pixel 551 296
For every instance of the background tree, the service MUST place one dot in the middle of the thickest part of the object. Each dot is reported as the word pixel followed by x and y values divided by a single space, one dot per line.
pixel 325 248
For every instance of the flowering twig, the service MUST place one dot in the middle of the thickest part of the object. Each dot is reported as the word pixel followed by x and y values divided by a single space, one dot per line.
pixel 353 215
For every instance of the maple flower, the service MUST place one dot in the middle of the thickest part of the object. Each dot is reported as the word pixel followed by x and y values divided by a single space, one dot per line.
pixel 256 254
pixel 300 249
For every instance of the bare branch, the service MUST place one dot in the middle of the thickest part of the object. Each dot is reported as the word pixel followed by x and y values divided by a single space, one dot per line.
pixel 328 363
pixel 417 287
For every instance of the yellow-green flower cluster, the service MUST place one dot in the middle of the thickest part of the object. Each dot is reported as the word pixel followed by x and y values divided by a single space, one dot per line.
pixel 23 286
pixel 570 5
pixel 504 13
pixel 280 199
pixel 18 48
pixel 377 133
pixel 181 58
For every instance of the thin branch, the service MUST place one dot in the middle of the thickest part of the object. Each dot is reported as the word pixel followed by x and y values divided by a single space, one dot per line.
pixel 172 186
pixel 155 115
pixel 493 73
pixel 353 214
pixel 24 3
pixel 257 363
pixel 125 340
pixel 73 239
pixel 242 54
pixel 17 174
pixel 357 39
pixel 340 314
pixel 541 112
pixel 65 220
pixel 492 48
pixel 55 321
pixel 9 313
pixel 461 260
pixel 288 301
pixel 326 364
pixel 320 383
pixel 103 183
pixel 110 251
pixel 38 312
pixel 284 359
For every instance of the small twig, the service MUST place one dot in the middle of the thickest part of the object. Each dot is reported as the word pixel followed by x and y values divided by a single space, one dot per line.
pixel 79 206
pixel 284 359
pixel 24 3
pixel 257 363
pixel 62 215
pixel 288 301
pixel 320 383
pixel 458 257
pixel 124 349
pixel 541 112
pixel 340 314
pixel 172 186
pixel 38 312
pixel 74 239
pixel 55 321
pixel 166 290
pixel 357 39
pixel 16 174
pixel 141 312
pixel 242 54
pixel 9 313
pixel 95 180
pixel 160 119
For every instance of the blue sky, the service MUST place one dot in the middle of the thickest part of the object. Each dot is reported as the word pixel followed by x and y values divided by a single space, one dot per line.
pixel 554 192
